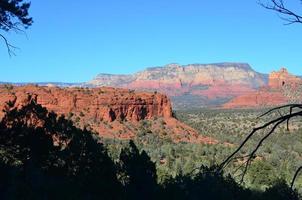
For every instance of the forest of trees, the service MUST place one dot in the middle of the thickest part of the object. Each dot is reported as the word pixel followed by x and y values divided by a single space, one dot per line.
pixel 279 157
pixel 43 156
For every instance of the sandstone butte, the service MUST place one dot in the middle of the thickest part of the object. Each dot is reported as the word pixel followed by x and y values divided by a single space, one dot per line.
pixel 110 112
pixel 282 88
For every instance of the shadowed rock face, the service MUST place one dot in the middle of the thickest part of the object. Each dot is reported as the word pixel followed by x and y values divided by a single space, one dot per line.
pixel 108 111
pixel 210 83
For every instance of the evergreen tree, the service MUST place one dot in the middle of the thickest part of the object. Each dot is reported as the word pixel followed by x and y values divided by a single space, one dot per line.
pixel 138 173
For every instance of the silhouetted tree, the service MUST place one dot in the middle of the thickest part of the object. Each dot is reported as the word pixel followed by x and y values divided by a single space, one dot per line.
pixel 208 183
pixel 138 174
pixel 280 191
pixel 45 157
pixel 13 16
pixel 90 168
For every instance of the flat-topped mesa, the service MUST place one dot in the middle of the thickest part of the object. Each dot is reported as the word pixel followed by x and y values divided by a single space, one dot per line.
pixel 209 84
pixel 110 112
pixel 98 104
pixel 186 75
pixel 278 79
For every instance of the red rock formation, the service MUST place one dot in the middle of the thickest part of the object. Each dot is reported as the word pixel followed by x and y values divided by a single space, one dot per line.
pixel 211 83
pixel 105 104
pixel 108 111
pixel 257 99
pixel 278 79
pixel 283 88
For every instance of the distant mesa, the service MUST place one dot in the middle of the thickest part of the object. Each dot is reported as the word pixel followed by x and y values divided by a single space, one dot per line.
pixel 205 84
pixel 226 85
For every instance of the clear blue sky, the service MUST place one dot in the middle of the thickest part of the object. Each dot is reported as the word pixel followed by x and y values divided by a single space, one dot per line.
pixel 72 41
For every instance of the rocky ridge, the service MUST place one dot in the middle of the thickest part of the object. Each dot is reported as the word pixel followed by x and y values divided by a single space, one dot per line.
pixel 110 112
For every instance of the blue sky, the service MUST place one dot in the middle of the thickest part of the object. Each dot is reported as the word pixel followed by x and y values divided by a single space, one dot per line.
pixel 72 41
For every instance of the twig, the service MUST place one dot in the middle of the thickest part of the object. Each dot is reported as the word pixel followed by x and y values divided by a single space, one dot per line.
pixel 10 48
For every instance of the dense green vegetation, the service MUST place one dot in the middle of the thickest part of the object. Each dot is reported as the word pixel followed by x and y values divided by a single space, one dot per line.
pixel 278 159
pixel 44 156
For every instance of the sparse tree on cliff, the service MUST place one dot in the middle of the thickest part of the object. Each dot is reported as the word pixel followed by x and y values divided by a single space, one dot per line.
pixel 288 15
pixel 14 16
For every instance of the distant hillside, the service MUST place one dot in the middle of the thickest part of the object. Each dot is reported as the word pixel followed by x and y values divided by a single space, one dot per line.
pixel 228 85
pixel 194 85
pixel 59 84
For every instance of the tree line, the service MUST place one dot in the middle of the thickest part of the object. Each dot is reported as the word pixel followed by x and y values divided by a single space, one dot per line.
pixel 43 156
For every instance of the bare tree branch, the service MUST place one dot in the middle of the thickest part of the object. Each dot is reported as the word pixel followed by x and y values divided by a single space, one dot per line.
pixel 295 177
pixel 274 123
pixel 290 17
pixel 10 47
pixel 14 16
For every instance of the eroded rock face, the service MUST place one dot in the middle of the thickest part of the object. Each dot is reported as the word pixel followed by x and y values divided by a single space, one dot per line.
pixel 278 79
pixel 108 111
pixel 104 104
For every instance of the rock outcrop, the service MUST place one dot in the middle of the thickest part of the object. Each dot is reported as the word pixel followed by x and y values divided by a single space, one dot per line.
pixel 283 88
pixel 278 79
pixel 104 104
pixel 108 111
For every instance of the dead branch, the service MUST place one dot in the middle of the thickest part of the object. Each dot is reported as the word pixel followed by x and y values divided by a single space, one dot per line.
pixel 274 123
pixel 295 177
pixel 10 47
pixel 287 15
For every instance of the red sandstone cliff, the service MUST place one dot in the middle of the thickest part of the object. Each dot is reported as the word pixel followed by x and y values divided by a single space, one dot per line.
pixel 104 104
pixel 108 111
pixel 278 79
